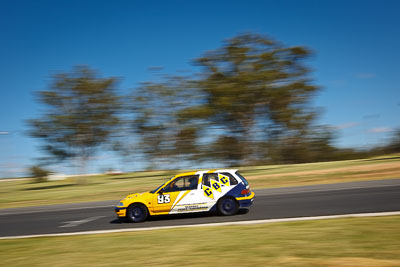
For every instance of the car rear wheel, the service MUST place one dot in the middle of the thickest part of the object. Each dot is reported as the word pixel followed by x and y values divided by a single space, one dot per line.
pixel 137 213
pixel 227 206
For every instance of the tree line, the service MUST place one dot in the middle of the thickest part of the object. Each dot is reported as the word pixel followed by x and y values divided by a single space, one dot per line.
pixel 248 103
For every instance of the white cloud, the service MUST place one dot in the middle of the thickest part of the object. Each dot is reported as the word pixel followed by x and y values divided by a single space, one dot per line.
pixel 346 125
pixel 380 130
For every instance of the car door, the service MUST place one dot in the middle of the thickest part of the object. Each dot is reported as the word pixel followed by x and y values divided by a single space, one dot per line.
pixel 174 193
pixel 191 200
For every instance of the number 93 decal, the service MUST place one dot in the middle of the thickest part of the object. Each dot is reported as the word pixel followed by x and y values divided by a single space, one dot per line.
pixel 163 199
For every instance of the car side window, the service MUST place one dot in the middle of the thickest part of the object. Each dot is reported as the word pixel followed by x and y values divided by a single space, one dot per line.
pixel 206 180
pixel 214 176
pixel 232 180
pixel 208 176
pixel 182 183
pixel 192 182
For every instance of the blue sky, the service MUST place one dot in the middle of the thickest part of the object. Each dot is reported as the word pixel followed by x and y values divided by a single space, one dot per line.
pixel 356 60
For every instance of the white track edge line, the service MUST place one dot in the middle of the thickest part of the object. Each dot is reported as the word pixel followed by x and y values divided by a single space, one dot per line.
pixel 375 214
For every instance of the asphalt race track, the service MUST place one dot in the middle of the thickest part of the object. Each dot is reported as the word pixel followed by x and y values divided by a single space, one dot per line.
pixel 318 200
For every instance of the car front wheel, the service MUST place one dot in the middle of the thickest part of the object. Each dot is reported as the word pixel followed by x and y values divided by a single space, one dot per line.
pixel 137 213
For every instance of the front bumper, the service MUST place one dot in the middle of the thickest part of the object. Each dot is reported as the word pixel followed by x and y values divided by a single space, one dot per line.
pixel 246 201
pixel 121 211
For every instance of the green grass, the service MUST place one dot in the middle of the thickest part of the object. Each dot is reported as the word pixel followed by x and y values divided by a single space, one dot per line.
pixel 373 241
pixel 18 193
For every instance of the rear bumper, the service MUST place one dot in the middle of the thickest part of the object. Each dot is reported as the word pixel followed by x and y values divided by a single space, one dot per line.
pixel 246 201
pixel 121 212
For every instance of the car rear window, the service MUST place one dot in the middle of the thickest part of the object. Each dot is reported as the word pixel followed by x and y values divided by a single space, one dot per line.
pixel 243 179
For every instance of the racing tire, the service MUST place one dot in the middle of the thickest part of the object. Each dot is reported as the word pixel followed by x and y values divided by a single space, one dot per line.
pixel 137 213
pixel 227 206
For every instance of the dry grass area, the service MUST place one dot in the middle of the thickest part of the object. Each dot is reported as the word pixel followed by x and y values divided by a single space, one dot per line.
pixel 395 166
pixel 322 173
pixel 373 241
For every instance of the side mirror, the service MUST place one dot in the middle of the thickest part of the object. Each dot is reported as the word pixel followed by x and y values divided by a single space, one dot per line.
pixel 161 191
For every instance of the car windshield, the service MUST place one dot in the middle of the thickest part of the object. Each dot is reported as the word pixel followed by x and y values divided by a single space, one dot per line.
pixel 155 190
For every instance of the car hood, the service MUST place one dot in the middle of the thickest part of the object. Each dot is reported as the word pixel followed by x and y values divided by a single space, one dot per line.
pixel 135 195
pixel 143 197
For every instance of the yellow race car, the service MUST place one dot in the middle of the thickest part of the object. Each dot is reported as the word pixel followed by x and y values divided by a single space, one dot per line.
pixel 222 190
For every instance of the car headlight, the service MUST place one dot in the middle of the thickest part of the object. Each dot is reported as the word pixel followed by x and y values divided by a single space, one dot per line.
pixel 120 204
